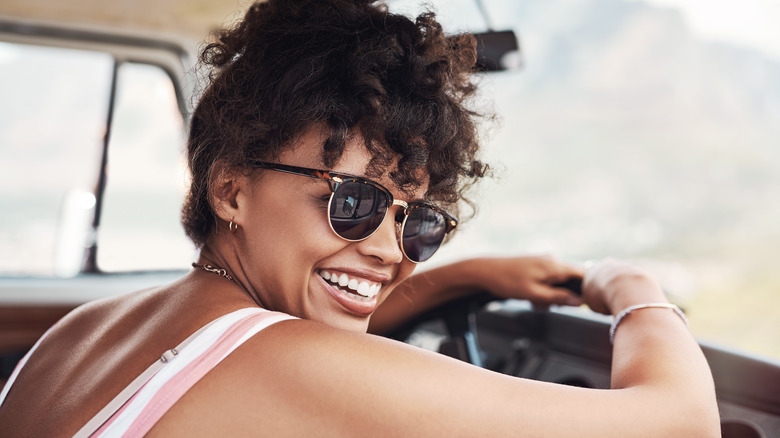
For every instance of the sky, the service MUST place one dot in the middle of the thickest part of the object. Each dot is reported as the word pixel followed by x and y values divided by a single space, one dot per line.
pixel 751 22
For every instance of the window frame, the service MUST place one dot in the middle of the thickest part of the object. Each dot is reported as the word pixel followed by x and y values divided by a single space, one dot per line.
pixel 166 53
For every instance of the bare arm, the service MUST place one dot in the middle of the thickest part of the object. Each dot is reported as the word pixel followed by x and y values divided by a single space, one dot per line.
pixel 654 353
pixel 529 277
pixel 301 378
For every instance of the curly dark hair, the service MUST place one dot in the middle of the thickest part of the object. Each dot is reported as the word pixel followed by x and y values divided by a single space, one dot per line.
pixel 350 65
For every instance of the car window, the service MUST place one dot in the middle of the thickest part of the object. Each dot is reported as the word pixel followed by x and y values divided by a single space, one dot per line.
pixel 146 177
pixel 53 124
pixel 626 132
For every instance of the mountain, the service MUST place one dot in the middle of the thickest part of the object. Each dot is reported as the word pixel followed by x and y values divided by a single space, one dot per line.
pixel 625 134
pixel 623 113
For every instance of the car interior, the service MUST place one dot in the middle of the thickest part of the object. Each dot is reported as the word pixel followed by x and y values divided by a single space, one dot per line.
pixel 111 186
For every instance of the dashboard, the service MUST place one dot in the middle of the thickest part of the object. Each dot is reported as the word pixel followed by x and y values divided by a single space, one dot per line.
pixel 571 347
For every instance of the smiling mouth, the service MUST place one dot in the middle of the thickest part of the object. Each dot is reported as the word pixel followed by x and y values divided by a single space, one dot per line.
pixel 361 289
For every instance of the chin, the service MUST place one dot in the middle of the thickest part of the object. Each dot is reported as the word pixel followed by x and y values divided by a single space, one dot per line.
pixel 351 324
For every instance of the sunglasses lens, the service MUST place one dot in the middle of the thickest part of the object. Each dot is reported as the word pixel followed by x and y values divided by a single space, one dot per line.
pixel 357 209
pixel 423 233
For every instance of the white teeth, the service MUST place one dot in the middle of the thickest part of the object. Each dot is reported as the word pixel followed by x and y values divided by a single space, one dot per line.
pixel 361 289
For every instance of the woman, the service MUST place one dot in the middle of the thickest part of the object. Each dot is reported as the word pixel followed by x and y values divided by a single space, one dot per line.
pixel 326 154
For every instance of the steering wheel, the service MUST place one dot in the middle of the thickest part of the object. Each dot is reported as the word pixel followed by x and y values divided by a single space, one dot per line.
pixel 459 318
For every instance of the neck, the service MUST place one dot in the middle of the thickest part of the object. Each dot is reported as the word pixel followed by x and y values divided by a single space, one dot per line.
pixel 220 253
pixel 214 258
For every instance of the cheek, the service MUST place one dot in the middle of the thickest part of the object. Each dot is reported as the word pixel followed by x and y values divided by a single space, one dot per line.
pixel 296 233
pixel 405 270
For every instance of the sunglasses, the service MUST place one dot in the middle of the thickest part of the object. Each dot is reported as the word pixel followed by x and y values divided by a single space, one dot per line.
pixel 357 207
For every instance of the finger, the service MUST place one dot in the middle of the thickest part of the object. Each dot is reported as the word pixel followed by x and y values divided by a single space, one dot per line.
pixel 562 272
pixel 561 298
pixel 554 295
pixel 565 297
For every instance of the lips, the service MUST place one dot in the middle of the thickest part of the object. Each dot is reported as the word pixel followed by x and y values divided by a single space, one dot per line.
pixel 354 286
pixel 357 295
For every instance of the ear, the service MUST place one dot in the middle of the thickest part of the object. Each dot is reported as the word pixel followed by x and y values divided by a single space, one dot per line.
pixel 228 187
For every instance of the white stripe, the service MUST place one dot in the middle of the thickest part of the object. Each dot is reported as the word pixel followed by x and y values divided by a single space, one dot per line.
pixel 192 352
pixel 263 324
pixel 172 368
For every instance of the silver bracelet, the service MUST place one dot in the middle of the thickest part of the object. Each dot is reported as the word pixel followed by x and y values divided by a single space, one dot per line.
pixel 630 309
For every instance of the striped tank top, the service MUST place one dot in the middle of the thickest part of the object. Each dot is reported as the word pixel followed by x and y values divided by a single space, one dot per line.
pixel 135 410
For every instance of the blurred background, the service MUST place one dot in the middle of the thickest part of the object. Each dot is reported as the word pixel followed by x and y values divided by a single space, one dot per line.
pixel 646 130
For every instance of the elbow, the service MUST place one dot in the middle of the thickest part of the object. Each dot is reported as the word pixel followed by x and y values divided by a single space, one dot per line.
pixel 706 423
pixel 706 413
pixel 682 414
pixel 699 418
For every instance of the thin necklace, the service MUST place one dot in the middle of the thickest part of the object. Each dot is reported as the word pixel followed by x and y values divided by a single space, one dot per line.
pixel 214 270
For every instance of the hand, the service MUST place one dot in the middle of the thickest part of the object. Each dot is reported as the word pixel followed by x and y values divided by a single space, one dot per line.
pixel 612 285
pixel 529 278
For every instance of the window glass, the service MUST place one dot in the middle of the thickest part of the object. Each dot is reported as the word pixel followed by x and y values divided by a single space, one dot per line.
pixel 630 133
pixel 139 225
pixel 52 124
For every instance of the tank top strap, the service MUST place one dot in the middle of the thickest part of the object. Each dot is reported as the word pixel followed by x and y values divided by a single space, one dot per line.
pixel 135 410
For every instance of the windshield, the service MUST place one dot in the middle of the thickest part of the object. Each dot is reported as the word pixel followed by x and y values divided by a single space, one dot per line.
pixel 643 131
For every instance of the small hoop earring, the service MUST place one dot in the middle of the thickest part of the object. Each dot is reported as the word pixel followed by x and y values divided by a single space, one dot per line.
pixel 233 227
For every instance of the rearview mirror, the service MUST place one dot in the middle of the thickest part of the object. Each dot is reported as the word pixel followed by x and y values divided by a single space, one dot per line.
pixel 497 51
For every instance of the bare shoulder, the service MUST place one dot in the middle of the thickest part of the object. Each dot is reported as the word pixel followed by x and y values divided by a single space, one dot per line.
pixel 94 352
pixel 68 374
pixel 342 382
pixel 302 378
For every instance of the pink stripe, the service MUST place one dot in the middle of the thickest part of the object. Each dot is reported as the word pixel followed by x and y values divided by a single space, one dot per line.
pixel 172 391
pixel 116 415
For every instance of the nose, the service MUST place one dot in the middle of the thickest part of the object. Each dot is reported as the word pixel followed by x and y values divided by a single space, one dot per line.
pixel 384 244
